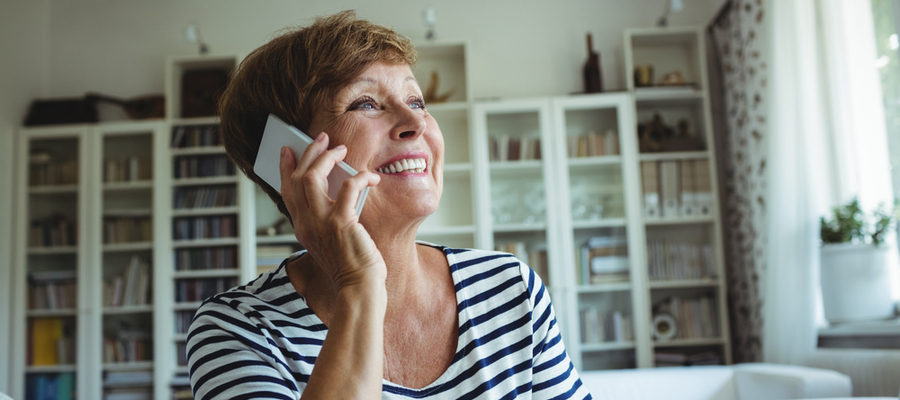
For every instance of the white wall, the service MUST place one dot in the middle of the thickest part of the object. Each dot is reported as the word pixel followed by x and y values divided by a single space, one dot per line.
pixel 24 34
pixel 518 48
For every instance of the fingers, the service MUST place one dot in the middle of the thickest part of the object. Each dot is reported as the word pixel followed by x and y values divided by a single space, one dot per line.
pixel 315 180
pixel 349 193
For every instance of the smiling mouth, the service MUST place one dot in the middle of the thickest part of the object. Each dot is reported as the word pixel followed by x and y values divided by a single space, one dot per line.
pixel 416 165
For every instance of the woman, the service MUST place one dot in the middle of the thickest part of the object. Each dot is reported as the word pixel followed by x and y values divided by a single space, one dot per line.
pixel 366 311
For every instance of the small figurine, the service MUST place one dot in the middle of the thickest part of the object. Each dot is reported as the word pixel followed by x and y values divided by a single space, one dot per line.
pixel 672 79
pixel 431 93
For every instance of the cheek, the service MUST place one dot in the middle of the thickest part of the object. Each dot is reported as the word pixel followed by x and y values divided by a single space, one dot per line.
pixel 351 132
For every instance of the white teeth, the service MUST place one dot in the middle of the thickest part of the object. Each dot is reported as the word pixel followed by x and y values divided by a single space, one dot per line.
pixel 416 165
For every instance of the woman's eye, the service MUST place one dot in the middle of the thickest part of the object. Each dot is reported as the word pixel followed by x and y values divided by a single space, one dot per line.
pixel 365 103
pixel 417 103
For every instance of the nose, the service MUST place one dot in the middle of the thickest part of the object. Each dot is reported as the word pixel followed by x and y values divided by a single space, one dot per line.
pixel 409 123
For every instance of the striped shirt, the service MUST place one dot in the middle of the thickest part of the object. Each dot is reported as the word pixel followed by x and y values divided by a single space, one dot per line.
pixel 261 340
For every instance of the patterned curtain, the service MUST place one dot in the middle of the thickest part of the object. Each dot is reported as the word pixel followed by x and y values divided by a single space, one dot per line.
pixel 738 85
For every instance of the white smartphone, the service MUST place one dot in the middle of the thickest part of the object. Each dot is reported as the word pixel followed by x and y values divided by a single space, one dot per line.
pixel 279 134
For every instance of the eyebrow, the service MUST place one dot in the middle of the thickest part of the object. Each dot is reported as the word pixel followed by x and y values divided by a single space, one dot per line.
pixel 374 81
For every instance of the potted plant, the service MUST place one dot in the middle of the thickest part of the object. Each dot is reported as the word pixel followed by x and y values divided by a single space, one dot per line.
pixel 854 263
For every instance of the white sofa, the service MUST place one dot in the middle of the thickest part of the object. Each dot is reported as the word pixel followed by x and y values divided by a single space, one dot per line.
pixel 736 382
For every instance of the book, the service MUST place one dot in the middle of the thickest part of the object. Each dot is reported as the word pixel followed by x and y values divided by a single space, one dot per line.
pixel 604 259
pixel 688 189
pixel 650 185
pixel 45 337
pixel 669 188
pixel 703 192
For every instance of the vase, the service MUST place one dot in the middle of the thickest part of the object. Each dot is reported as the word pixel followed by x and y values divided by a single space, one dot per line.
pixel 855 282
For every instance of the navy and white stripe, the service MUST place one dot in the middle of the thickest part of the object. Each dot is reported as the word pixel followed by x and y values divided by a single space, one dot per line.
pixel 261 340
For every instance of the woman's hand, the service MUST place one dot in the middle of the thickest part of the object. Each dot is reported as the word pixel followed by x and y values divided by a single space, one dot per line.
pixel 329 228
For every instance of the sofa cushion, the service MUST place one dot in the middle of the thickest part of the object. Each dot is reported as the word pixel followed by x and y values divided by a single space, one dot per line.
pixel 694 383
pixel 759 381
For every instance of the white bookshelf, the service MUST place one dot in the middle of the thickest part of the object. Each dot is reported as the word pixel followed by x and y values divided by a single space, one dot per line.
pixel 37 201
pixel 666 50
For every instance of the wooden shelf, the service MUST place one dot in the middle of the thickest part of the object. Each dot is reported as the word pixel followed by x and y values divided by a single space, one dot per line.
pixel 198 150
pixel 206 273
pixel 127 186
pixel 132 309
pixel 607 346
pixel 212 180
pixel 705 219
pixel 205 242
pixel 189 212
pixel 690 343
pixel 53 250
pixel 53 189
pixel 120 247
pixel 57 312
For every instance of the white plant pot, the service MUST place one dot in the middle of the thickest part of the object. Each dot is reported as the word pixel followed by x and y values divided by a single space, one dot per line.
pixel 855 284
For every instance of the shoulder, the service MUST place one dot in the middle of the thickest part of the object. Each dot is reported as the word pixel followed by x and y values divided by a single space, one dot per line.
pixel 472 262
pixel 247 310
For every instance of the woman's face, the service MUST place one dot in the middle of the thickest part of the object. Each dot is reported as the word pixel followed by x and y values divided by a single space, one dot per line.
pixel 381 118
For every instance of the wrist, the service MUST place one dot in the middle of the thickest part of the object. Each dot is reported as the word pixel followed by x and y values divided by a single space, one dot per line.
pixel 365 294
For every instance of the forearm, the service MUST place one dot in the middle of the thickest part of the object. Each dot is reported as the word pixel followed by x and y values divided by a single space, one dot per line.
pixel 350 364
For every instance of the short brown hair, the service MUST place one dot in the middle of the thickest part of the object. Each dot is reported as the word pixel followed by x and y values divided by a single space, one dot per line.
pixel 294 73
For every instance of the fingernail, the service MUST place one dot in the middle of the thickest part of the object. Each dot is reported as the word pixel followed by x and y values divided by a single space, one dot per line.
pixel 284 151
pixel 341 147
pixel 321 137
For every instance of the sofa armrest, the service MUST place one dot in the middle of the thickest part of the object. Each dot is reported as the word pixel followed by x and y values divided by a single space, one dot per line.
pixel 759 381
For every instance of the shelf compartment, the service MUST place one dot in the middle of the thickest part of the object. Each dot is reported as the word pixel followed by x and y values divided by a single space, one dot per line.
pixel 449 61
pixel 605 317
pixel 453 120
pixel 592 132
pixel 608 359
pixel 678 126
pixel 455 208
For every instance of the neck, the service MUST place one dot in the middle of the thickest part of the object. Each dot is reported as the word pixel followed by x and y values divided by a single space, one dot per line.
pixel 403 258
